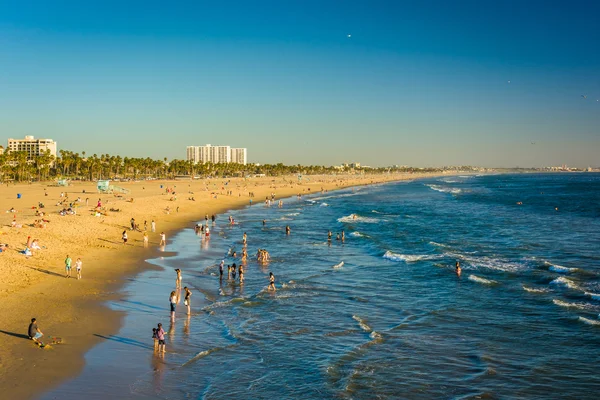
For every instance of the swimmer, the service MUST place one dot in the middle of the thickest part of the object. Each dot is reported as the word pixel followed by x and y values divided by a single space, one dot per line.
pixel 264 222
pixel 329 236
pixel 458 269
pixel 287 230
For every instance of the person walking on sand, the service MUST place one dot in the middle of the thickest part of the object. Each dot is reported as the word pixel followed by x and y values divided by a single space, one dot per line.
pixel 186 299
pixel 34 331
pixel 271 282
pixel 145 239
pixel 145 225
pixel 124 236
pixel 163 239
pixel 68 262
pixel 153 226
pixel 160 334
pixel 173 303
pixel 78 265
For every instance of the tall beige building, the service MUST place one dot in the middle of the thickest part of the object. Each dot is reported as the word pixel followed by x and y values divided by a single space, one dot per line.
pixel 239 155
pixel 215 154
pixel 32 146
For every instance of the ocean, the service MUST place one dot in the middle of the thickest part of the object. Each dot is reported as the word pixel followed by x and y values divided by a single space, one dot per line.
pixel 381 315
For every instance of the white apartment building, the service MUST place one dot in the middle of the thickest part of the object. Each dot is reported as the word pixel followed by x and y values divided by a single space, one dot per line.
pixel 33 147
pixel 216 154
pixel 239 155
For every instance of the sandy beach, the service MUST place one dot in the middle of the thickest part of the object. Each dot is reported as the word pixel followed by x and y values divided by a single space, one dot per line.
pixel 73 309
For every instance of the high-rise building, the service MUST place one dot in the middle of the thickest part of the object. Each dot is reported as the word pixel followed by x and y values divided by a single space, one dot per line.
pixel 33 147
pixel 215 154
pixel 239 155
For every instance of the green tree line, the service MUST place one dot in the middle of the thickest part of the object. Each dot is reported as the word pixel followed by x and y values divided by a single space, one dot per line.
pixel 70 165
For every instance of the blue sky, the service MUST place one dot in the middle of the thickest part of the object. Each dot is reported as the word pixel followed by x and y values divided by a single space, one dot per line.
pixel 419 83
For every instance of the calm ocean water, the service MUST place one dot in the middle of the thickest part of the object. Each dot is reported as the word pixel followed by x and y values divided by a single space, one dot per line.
pixel 392 321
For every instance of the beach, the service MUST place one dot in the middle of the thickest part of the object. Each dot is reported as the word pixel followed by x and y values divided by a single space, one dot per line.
pixel 75 309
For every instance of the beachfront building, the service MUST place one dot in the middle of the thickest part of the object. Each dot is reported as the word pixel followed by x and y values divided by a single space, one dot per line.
pixel 1 150
pixel 239 156
pixel 216 154
pixel 32 146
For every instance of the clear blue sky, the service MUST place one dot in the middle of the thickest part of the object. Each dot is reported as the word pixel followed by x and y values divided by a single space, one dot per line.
pixel 423 83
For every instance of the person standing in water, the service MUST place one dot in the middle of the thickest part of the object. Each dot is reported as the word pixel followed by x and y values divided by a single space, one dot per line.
pixel 173 303
pixel 241 273
pixel 221 269
pixel 271 282
pixel 160 334
pixel 244 238
pixel 186 299
pixel 178 279
pixel 163 239
pixel 458 269
pixel 287 230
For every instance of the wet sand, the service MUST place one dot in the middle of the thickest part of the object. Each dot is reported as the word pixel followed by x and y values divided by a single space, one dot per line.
pixel 74 309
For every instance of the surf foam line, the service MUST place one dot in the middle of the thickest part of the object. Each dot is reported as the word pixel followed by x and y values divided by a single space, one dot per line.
pixel 411 257
pixel 483 281
pixel 565 282
pixel 340 265
pixel 589 321
pixel 535 290
pixel 205 353
pixel 444 189
pixel 559 268
pixel 357 218
pixel 566 304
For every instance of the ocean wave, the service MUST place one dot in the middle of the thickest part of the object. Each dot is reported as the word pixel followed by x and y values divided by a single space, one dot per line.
pixel 292 214
pixel 589 321
pixel 581 306
pixel 362 323
pixel 358 218
pixel 450 181
pixel 561 281
pixel 594 296
pixel 535 290
pixel 483 281
pixel 340 265
pixel 375 212
pixel 494 263
pixel 561 270
pixel 356 234
pixel 410 257
pixel 444 189
pixel 438 244
pixel 324 205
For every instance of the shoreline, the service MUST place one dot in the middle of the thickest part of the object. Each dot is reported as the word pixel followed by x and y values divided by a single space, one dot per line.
pixel 78 311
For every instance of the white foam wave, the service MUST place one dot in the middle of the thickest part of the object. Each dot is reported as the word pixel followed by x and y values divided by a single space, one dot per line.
pixel 560 269
pixel 375 212
pixel 483 281
pixel 438 244
pixel 358 218
pixel 410 257
pixel 561 281
pixel 594 296
pixel 340 265
pixel 324 205
pixel 444 189
pixel 362 323
pixel 535 290
pixel 292 214
pixel 494 263
pixel 356 234
pixel 581 306
pixel 589 321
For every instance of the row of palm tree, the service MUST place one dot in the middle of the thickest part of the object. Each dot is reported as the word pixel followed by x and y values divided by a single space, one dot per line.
pixel 70 165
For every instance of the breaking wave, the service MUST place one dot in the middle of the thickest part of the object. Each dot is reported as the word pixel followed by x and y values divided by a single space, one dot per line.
pixel 410 257
pixel 483 281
